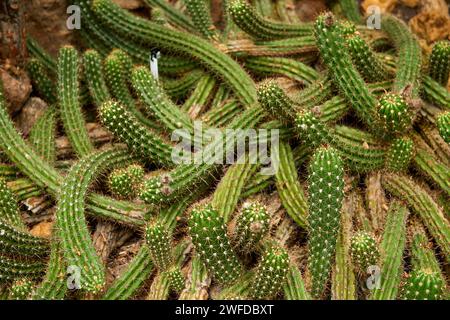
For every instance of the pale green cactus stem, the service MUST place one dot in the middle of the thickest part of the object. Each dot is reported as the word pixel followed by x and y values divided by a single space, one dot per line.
pixel 198 284
pixel 43 134
pixel 326 184
pixel 92 64
pixel 196 103
pixel 208 233
pixel 175 16
pixel 437 172
pixel 391 249
pixel 435 93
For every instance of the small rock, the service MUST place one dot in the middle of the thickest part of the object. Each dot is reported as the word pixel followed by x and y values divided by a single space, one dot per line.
pixel 32 110
pixel 42 229
pixel 17 89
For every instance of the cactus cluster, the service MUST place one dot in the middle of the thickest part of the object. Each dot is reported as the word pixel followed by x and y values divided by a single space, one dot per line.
pixel 361 180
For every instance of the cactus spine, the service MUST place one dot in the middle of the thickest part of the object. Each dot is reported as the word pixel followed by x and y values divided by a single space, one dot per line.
pixel 326 193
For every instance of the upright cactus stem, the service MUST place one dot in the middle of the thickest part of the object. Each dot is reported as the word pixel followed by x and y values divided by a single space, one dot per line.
pixel 326 192
pixel 270 275
pixel 394 113
pixel 251 226
pixel 121 184
pixel 423 285
pixel 364 251
pixel 208 233
pixel 400 154
pixel 201 17
pixel 439 62
pixel 158 241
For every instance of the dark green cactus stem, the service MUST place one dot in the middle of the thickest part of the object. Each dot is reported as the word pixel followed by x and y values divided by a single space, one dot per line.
pixel 200 14
pixel 400 154
pixel 9 209
pixel 423 285
pixel 365 60
pixel 14 241
pixel 41 81
pixel 158 241
pixel 92 63
pixel 436 171
pixel 42 135
pixel 208 233
pixel 136 172
pixel 331 44
pixel 443 124
pixel 189 45
pixel 46 177
pixel 435 93
pixel 394 113
pixel 326 192
pixel 391 248
pixel 409 59
pixel 75 237
pixel 422 204
pixel 121 184
pixel 138 270
pixel 42 56
pixel 12 269
pixel 294 288
pixel 175 17
pixel 439 62
pixel 245 16
pixel 54 284
pixel 68 97
pixel 157 103
pixel 177 282
pixel 364 251
pixel 350 8
pixel 289 68
pixel 251 226
pixel 141 140
pixel 21 289
pixel 289 188
pixel 270 275
pixel 227 193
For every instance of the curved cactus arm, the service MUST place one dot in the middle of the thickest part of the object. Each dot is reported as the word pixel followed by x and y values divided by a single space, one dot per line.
pixel 409 60
pixel 289 188
pixel 75 237
pixel 331 44
pixel 423 205
pixel 227 193
pixel 200 96
pixel 54 284
pixel 129 130
pixel 438 172
pixel 326 192
pixel 9 209
pixel 42 135
pixel 240 290
pixel 392 248
pixel 15 241
pixel 350 8
pixel 41 81
pixel 294 288
pixel 138 270
pixel 187 44
pixel 180 87
pixel 200 14
pixel 245 16
pixel 42 56
pixel 222 116
pixel 11 269
pixel 439 62
pixel 92 63
pixel 68 98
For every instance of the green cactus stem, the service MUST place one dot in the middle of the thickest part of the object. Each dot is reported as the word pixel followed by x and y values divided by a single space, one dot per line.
pixel 245 16
pixel 423 285
pixel 443 124
pixel 364 251
pixel 439 62
pixel 326 193
pixel 158 241
pixel 391 249
pixel 200 14
pixel 42 135
pixel 12 269
pixel 436 171
pixel 294 288
pixel 175 17
pixel 41 81
pixel 399 154
pixel 199 98
pixel 251 226
pixel 435 93
pixel 222 116
pixel 21 289
pixel 121 184
pixel 9 209
pixel 179 87
pixel 208 233
pixel 177 282
pixel 68 98
pixel 422 204
pixel 350 8
pixel 15 241
pixel 92 64
pixel 394 113
pixel 198 281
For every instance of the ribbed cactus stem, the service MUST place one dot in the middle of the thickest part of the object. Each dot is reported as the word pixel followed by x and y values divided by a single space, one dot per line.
pixel 21 289
pixel 200 14
pixel 439 62
pixel 120 184
pixel 270 274
pixel 9 209
pixel 364 251
pixel 251 226
pixel 326 184
pixel 423 285
pixel 208 233
pixel 158 241
pixel 394 113
pixel 443 124
pixel 400 154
